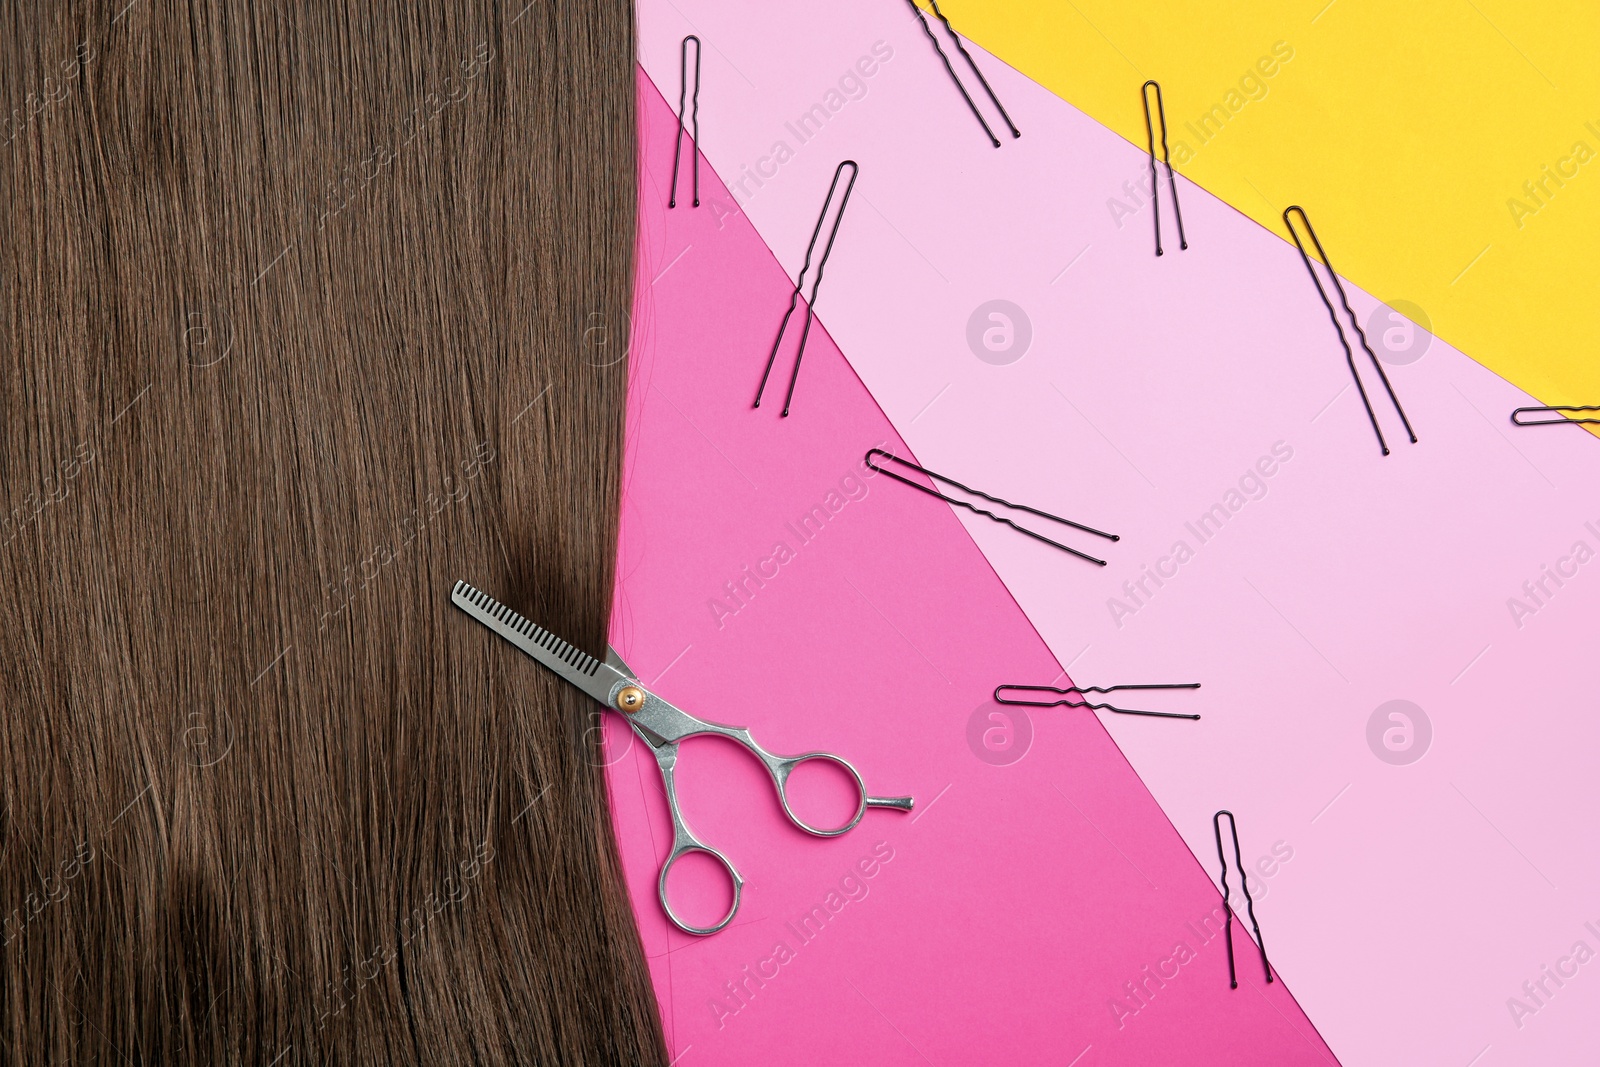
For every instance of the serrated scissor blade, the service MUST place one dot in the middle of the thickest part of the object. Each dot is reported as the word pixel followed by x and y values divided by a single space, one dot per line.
pixel 573 664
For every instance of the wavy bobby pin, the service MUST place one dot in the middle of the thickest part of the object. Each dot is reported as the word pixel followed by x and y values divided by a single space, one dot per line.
pixel 855 172
pixel 956 38
pixel 1558 420
pixel 1085 691
pixel 694 138
pixel 925 472
pixel 1349 355
pixel 1249 903
pixel 1172 183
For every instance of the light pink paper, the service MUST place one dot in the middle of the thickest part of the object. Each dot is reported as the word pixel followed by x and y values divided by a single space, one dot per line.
pixel 1420 898
pixel 1018 900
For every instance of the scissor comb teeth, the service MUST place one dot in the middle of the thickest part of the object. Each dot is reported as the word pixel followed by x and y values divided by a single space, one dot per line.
pixel 465 594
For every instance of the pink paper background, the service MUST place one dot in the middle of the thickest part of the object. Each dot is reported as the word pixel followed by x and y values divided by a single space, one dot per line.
pixel 1420 898
pixel 1019 898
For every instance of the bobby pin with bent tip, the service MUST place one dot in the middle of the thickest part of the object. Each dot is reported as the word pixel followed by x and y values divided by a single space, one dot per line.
pixel 1084 691
pixel 962 89
pixel 1249 902
pixel 993 99
pixel 1334 315
pixel 1559 420
pixel 855 172
pixel 694 140
pixel 1172 183
pixel 925 472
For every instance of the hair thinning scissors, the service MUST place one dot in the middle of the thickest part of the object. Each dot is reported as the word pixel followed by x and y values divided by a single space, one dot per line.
pixel 661 726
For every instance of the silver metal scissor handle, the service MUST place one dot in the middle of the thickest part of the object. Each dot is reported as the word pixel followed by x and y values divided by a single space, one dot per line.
pixel 684 842
pixel 661 725
pixel 781 767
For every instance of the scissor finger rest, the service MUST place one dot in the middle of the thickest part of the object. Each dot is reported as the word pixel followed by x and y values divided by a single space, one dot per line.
pixel 783 766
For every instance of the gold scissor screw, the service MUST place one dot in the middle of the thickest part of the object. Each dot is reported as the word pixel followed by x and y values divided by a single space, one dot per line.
pixel 630 698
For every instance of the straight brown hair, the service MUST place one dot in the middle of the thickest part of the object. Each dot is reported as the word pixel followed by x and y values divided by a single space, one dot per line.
pixel 307 312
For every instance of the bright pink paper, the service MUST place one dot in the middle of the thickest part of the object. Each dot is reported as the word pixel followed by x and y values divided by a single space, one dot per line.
pixel 1419 899
pixel 1020 899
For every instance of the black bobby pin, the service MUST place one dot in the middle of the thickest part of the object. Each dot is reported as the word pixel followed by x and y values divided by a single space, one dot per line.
pixel 962 89
pixel 994 499
pixel 1557 420
pixel 1334 315
pixel 1250 904
pixel 694 140
pixel 1172 183
pixel 855 172
pixel 1084 691
pixel 993 99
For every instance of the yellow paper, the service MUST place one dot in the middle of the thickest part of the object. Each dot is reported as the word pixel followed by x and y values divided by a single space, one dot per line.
pixel 1447 151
